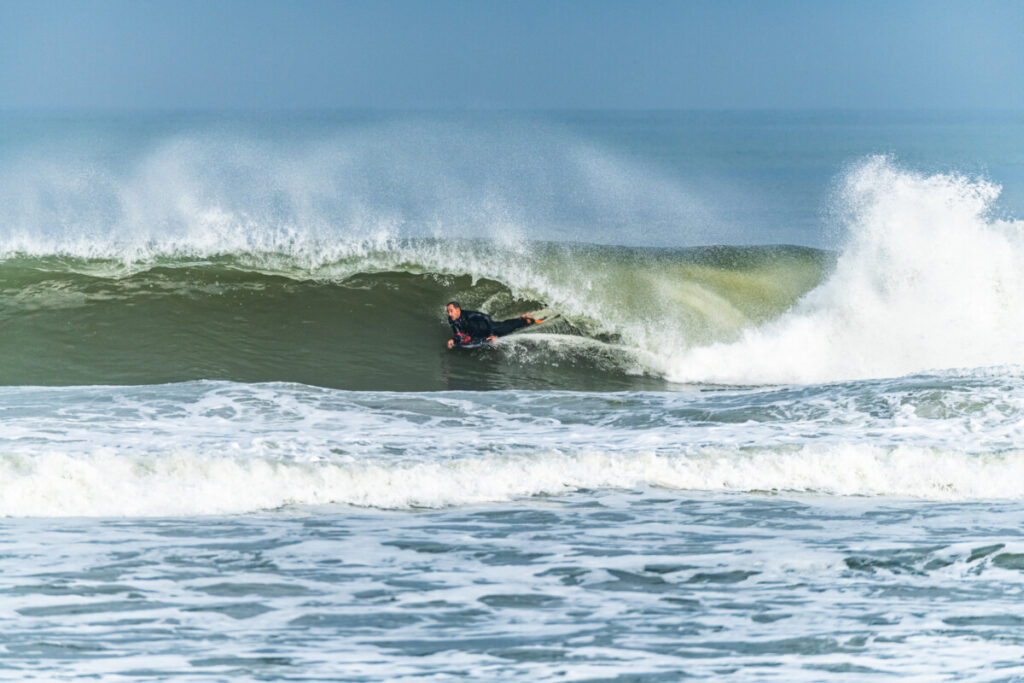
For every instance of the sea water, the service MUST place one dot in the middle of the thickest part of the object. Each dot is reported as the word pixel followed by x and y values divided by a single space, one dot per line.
pixel 773 429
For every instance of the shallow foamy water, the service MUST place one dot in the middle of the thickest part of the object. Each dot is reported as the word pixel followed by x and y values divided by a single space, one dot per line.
pixel 221 447
pixel 281 531
pixel 651 583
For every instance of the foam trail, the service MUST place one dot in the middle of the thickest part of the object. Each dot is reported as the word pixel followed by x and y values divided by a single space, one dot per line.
pixel 107 485
pixel 927 280
pixel 219 448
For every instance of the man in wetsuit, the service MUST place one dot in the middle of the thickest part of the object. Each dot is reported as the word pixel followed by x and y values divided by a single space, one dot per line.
pixel 473 326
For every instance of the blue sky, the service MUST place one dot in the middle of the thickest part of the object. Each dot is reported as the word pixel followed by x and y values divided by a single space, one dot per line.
pixel 457 54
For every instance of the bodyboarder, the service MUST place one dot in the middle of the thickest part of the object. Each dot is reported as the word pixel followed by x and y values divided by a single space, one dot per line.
pixel 474 327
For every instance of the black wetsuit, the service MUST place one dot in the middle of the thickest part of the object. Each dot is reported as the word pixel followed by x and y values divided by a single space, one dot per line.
pixel 474 326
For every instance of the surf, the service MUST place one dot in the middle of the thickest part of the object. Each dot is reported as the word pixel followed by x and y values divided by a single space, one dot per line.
pixel 929 277
pixel 219 249
pixel 208 448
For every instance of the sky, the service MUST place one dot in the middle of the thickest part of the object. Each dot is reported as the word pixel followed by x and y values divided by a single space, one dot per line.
pixel 497 54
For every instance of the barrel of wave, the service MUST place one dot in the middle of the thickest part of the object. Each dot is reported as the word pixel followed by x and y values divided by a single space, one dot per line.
pixel 661 302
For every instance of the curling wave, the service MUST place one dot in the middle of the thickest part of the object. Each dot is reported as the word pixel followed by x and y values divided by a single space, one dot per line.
pixel 375 321
pixel 216 254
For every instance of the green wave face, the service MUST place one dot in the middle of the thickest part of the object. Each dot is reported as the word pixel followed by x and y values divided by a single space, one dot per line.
pixel 376 320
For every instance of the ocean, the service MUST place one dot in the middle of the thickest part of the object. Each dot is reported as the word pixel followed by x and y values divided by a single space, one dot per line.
pixel 773 429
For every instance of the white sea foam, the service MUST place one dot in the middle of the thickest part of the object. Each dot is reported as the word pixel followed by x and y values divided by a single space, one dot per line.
pixel 184 483
pixel 927 280
pixel 208 448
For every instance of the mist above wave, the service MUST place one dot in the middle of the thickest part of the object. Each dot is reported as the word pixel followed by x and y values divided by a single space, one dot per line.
pixel 324 193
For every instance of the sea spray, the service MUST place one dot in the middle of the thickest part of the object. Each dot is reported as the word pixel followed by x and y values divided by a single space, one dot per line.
pixel 927 279
pixel 327 191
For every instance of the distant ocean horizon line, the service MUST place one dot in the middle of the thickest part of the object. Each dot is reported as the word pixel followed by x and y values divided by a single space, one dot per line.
pixel 428 110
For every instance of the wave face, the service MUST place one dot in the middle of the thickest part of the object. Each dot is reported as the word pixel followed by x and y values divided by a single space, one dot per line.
pixel 377 322
pixel 140 252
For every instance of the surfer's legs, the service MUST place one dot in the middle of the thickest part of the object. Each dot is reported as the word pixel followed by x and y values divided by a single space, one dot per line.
pixel 507 326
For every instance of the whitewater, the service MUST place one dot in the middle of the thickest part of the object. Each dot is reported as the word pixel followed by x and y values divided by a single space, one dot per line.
pixel 773 430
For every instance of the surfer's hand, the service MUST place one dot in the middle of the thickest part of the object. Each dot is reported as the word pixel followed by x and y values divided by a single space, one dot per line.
pixel 491 338
pixel 451 343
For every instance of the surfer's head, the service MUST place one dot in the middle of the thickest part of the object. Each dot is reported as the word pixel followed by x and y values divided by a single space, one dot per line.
pixel 454 310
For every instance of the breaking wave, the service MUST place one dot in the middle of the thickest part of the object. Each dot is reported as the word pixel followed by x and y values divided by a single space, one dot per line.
pixel 222 255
